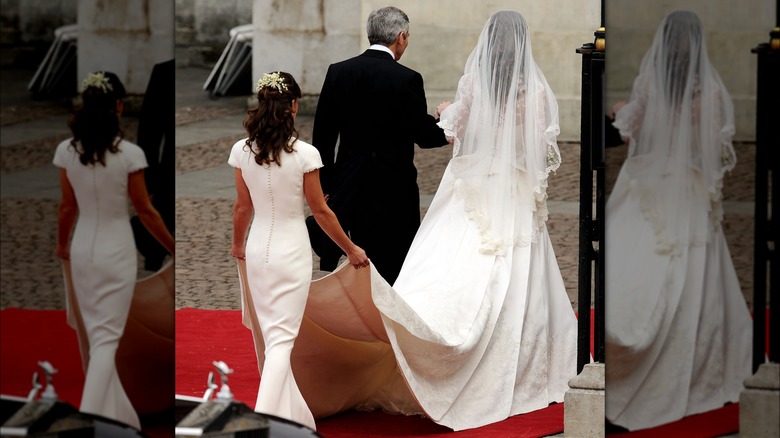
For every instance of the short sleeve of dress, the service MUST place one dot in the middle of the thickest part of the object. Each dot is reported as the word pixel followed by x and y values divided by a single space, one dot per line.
pixel 236 152
pixel 134 157
pixel 62 155
pixel 308 156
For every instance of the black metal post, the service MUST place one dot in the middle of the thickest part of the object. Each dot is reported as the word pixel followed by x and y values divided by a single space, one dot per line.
pixel 591 230
pixel 586 213
pixel 766 224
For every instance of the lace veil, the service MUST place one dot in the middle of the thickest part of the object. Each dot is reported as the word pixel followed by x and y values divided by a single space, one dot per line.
pixel 679 121
pixel 503 123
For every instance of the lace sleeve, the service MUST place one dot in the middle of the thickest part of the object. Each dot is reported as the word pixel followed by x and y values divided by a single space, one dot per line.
pixel 628 119
pixel 455 118
pixel 550 131
pixel 726 123
pixel 548 154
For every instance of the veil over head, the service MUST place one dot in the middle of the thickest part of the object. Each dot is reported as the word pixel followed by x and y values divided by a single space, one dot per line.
pixel 679 121
pixel 504 124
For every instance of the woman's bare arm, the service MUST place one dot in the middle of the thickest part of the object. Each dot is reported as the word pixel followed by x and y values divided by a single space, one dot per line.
pixel 67 213
pixel 328 220
pixel 242 216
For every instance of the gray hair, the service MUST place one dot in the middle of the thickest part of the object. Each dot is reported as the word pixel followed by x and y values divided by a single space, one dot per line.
pixel 385 24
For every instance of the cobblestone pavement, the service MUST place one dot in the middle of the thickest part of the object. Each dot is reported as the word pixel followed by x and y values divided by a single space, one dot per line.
pixel 205 274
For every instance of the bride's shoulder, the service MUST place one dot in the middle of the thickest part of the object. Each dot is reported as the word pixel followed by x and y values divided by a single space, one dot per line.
pixel 466 80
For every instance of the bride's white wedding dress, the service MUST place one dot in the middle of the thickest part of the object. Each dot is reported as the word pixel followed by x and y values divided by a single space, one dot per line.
pixel 678 332
pixel 478 325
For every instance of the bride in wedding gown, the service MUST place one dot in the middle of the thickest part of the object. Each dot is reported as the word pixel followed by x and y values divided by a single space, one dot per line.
pixel 478 325
pixel 678 330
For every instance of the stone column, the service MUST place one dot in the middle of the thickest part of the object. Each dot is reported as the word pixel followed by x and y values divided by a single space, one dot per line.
pixel 583 406
pixel 759 403
pixel 303 37
pixel 126 37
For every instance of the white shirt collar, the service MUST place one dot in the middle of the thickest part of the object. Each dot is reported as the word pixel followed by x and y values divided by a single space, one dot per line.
pixel 382 48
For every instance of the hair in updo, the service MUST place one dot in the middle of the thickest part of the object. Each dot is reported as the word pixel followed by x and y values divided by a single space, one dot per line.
pixel 95 126
pixel 271 125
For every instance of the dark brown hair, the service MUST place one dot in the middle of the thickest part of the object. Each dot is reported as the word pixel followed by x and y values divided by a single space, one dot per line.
pixel 95 126
pixel 271 125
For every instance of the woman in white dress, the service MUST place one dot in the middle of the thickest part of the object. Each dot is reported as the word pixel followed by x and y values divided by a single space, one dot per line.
pixel 678 330
pixel 274 173
pixel 478 326
pixel 100 173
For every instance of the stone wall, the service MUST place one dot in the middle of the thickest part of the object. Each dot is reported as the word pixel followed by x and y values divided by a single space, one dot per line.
pixel 125 37
pixel 34 21
pixel 202 28
pixel 731 29
pixel 27 28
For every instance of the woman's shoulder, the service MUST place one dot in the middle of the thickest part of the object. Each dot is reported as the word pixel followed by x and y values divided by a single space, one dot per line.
pixel 239 144
pixel 132 155
pixel 64 146
pixel 129 147
pixel 131 150
pixel 64 153
pixel 239 153
pixel 301 145
pixel 308 156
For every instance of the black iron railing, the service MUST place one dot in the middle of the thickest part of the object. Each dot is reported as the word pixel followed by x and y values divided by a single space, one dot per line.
pixel 767 223
pixel 591 226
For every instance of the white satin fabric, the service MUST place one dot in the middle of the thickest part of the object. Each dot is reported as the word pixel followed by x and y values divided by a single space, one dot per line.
pixel 478 337
pixel 678 331
pixel 103 267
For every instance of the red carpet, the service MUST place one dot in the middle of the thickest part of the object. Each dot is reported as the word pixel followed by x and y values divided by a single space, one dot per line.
pixel 203 336
pixel 29 336
pixel 718 422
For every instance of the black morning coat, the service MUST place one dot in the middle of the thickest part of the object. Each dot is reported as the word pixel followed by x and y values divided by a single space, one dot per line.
pixel 375 108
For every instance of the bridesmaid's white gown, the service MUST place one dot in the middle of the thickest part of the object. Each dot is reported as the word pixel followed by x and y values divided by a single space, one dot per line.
pixel 104 267
pixel 464 338
pixel 279 266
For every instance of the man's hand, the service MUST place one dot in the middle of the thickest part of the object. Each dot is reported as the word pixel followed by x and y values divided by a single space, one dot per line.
pixel 439 109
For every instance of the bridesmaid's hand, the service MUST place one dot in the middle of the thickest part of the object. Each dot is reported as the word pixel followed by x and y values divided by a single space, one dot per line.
pixel 238 252
pixel 357 257
pixel 62 252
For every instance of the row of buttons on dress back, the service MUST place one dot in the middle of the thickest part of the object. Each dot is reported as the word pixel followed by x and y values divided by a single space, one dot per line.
pixel 271 230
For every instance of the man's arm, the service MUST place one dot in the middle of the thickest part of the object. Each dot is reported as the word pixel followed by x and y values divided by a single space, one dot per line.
pixel 426 133
pixel 326 131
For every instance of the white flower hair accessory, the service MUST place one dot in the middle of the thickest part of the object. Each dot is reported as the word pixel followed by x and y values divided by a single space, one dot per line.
pixel 271 80
pixel 96 80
